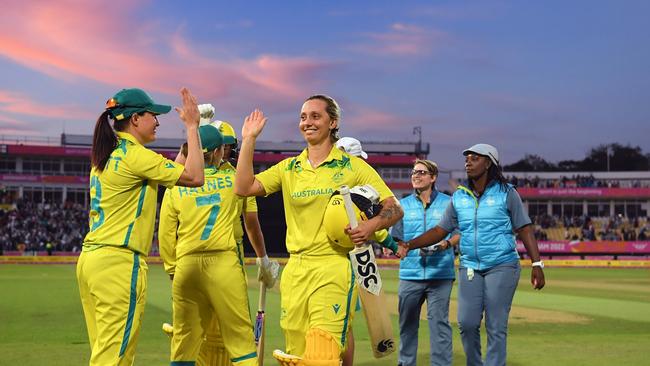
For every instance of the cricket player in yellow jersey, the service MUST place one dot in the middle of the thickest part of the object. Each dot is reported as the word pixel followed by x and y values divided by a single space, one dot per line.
pixel 124 179
pixel 213 351
pixel 318 295
pixel 197 241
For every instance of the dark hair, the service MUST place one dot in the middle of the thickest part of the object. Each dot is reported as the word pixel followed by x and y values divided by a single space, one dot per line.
pixel 105 140
pixel 494 173
pixel 333 111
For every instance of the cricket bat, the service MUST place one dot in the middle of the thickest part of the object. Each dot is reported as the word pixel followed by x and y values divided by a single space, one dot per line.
pixel 259 325
pixel 380 328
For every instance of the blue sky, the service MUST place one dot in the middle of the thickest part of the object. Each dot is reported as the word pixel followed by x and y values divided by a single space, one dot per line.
pixel 552 78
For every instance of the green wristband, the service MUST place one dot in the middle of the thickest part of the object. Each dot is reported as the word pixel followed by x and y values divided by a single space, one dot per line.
pixel 389 243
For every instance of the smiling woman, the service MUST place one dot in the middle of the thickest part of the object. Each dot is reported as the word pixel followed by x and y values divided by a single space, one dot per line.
pixel 318 294
pixel 488 213
pixel 124 179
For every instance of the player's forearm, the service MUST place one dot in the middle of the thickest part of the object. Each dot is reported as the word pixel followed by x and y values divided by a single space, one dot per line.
pixel 431 236
pixel 389 243
pixel 526 236
pixel 454 240
pixel 254 232
pixel 245 176
pixel 180 158
pixel 193 174
pixel 168 255
pixel 391 212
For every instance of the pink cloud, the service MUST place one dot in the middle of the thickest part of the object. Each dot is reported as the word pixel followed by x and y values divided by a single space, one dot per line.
pixel 13 127
pixel 13 132
pixel 6 120
pixel 103 42
pixel 17 103
pixel 403 40
pixel 370 117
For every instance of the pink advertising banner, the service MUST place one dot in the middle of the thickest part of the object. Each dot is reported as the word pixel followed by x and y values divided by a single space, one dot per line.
pixel 24 178
pixel 604 247
pixel 584 192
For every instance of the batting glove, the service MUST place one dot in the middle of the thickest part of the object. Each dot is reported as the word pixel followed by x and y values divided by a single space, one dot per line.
pixel 268 271
pixel 207 113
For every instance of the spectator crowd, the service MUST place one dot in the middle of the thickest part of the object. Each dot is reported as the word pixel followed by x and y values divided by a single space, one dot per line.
pixel 615 228
pixel 32 227
pixel 576 181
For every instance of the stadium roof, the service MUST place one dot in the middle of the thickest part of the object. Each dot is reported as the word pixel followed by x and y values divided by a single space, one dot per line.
pixel 393 148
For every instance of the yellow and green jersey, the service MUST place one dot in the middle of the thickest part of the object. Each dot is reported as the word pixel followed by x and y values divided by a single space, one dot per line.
pixel 123 196
pixel 306 192
pixel 200 219
pixel 249 204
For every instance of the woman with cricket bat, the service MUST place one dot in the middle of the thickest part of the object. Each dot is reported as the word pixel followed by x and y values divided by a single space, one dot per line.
pixel 488 213
pixel 198 246
pixel 318 295
pixel 124 179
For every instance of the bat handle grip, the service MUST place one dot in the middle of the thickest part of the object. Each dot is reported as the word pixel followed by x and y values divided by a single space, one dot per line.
pixel 349 209
pixel 262 300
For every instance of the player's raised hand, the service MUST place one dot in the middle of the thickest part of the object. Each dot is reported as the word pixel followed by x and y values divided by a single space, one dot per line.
pixel 189 112
pixel 253 124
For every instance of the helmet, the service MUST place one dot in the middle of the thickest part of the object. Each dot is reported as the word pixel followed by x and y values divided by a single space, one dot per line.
pixel 365 201
pixel 229 136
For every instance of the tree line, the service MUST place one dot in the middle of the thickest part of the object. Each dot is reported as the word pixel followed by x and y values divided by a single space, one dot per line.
pixel 621 158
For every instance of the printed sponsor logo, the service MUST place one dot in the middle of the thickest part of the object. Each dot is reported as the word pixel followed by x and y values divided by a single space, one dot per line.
pixel 312 192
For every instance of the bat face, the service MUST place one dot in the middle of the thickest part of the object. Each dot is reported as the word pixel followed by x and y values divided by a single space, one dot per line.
pixel 380 329
pixel 365 268
pixel 259 326
pixel 385 346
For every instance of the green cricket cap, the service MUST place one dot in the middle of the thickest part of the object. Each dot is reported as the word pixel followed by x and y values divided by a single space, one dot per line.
pixel 128 101
pixel 211 138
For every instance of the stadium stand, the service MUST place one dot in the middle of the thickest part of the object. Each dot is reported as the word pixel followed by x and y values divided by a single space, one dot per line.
pixel 41 177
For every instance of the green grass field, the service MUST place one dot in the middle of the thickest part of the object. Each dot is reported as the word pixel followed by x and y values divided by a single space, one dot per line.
pixel 583 317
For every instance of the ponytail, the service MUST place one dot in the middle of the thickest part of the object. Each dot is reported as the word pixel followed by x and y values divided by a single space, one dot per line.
pixel 104 142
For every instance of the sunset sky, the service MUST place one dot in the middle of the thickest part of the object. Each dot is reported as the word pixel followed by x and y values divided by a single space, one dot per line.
pixel 552 78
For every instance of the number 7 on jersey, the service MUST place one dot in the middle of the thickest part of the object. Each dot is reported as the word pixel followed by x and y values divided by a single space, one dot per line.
pixel 212 200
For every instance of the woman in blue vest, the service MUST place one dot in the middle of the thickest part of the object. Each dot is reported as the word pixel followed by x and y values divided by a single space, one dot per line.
pixel 487 213
pixel 425 274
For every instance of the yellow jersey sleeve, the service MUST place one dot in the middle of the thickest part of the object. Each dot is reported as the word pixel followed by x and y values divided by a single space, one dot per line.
pixel 167 229
pixel 123 196
pixel 271 178
pixel 238 225
pixel 250 204
pixel 148 164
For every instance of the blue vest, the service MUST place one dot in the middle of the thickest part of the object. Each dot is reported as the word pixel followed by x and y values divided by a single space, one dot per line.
pixel 417 220
pixel 486 236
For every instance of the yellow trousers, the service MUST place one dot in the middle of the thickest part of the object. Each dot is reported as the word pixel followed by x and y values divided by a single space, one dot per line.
pixel 211 285
pixel 112 285
pixel 316 292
